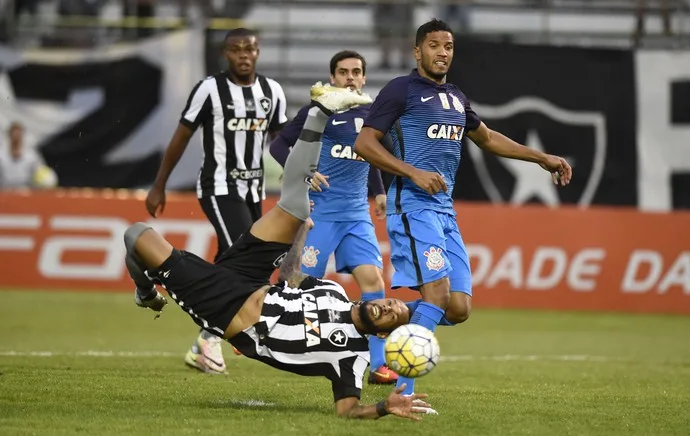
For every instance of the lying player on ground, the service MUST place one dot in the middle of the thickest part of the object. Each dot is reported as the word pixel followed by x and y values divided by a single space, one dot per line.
pixel 427 119
pixel 305 326
pixel 341 208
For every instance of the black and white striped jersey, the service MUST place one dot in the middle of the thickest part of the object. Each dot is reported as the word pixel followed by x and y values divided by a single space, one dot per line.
pixel 235 124
pixel 310 332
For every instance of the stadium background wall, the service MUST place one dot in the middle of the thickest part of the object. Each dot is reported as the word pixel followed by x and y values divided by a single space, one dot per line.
pixel 621 116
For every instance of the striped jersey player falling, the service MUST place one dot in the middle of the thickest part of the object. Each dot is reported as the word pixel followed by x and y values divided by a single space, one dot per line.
pixel 304 326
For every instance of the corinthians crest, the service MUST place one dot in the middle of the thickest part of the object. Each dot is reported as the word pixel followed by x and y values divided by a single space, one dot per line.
pixel 434 258
pixel 310 257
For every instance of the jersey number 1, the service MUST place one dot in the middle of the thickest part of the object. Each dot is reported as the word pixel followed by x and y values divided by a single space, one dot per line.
pixel 359 122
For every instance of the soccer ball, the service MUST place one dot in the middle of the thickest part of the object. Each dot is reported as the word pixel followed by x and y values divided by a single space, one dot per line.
pixel 412 351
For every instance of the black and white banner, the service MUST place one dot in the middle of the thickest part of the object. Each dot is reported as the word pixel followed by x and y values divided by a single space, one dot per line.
pixel 576 103
pixel 102 118
pixel 663 130
pixel 621 118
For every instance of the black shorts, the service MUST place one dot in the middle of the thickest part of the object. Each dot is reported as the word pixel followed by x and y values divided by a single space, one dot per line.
pixel 231 217
pixel 212 294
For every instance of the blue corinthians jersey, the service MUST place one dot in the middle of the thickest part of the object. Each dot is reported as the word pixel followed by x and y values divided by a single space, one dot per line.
pixel 426 122
pixel 347 197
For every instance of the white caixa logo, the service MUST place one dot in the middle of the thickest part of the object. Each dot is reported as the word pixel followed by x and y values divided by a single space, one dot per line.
pixel 92 234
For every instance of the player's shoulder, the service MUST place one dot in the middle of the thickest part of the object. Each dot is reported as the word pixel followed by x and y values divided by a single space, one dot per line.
pixel 452 87
pixel 214 77
pixel 400 82
pixel 330 285
pixel 301 115
pixel 274 84
pixel 357 111
pixel 361 108
pixel 209 81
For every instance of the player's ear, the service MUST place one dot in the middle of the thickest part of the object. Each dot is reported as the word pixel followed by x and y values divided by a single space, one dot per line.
pixel 364 80
pixel 417 53
pixel 332 80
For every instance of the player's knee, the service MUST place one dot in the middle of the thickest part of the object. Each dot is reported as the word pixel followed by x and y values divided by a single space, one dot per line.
pixel 295 201
pixel 369 278
pixel 437 292
pixel 375 283
pixel 133 233
pixel 459 307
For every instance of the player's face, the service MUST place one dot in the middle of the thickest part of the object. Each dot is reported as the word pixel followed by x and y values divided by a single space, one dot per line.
pixel 242 53
pixel 387 313
pixel 435 54
pixel 16 134
pixel 349 74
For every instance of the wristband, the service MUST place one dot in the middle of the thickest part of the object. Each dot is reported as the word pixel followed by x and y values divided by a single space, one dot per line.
pixel 381 408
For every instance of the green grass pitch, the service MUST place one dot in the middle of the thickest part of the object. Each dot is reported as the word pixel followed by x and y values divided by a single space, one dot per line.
pixel 93 363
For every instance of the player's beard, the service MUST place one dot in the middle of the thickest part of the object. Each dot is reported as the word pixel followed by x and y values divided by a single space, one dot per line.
pixel 428 67
pixel 366 318
pixel 369 322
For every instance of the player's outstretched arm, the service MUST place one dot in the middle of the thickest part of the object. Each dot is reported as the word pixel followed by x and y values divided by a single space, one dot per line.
pixel 155 200
pixel 290 270
pixel 500 145
pixel 198 109
pixel 396 404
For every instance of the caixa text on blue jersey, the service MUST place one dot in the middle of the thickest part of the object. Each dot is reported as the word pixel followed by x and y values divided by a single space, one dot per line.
pixel 445 131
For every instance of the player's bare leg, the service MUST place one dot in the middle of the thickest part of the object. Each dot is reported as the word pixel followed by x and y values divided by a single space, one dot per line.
pixel 369 278
pixel 459 307
pixel 146 249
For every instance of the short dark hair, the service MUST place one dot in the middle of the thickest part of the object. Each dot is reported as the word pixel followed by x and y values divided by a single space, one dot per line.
pixel 240 32
pixel 347 54
pixel 434 25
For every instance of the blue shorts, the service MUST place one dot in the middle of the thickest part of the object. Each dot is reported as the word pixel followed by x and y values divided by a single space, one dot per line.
pixel 426 246
pixel 354 244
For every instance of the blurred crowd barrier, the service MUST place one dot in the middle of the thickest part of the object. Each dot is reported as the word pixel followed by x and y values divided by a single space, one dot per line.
pixel 613 259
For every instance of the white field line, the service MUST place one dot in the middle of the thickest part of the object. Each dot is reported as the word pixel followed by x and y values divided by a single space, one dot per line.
pixel 456 358
pixel 253 403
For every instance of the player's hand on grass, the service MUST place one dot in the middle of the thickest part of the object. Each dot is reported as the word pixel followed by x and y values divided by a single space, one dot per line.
pixel 155 201
pixel 380 211
pixel 429 181
pixel 318 180
pixel 407 406
pixel 559 168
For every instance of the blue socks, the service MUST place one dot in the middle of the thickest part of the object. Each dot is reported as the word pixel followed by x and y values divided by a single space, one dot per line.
pixel 427 315
pixel 412 305
pixel 376 344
